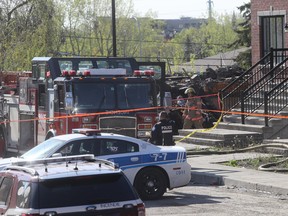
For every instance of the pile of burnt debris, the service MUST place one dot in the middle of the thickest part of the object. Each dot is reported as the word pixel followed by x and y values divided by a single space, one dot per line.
pixel 206 84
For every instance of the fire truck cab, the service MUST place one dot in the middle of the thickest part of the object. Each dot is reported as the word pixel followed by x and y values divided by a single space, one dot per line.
pixel 115 95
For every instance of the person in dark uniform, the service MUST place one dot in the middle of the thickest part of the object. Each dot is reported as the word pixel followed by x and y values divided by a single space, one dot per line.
pixel 162 131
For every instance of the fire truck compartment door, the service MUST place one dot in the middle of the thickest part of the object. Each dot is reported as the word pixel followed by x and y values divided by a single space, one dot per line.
pixel 13 127
pixel 51 103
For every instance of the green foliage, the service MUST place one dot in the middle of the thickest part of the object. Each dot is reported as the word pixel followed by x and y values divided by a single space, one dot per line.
pixel 232 163
pixel 30 28
pixel 243 30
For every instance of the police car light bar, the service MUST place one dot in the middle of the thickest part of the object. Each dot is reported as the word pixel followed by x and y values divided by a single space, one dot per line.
pixel 86 131
pixel 17 165
pixel 87 157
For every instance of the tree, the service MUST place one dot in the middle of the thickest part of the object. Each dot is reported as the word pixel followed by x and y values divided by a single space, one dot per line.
pixel 29 28
pixel 243 31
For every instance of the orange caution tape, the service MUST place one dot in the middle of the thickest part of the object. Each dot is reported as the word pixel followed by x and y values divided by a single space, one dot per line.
pixel 154 108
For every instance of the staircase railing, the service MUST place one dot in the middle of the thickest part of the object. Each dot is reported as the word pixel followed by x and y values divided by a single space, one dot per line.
pixel 231 93
pixel 252 99
pixel 247 91
pixel 272 99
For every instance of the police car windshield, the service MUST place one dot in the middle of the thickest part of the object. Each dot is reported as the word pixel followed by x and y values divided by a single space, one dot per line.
pixel 43 150
pixel 108 96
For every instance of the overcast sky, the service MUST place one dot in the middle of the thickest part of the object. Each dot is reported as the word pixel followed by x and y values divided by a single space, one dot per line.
pixel 174 9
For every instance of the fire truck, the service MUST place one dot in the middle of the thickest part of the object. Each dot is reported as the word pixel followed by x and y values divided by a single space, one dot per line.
pixel 115 95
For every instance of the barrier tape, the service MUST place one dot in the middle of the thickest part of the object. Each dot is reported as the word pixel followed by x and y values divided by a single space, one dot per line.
pixel 155 108
pixel 205 129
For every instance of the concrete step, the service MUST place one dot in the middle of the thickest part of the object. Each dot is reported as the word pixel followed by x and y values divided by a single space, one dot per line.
pixel 254 120
pixel 244 127
pixel 199 141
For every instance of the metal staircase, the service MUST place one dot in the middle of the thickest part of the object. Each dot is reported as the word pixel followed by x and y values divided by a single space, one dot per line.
pixel 260 95
pixel 254 104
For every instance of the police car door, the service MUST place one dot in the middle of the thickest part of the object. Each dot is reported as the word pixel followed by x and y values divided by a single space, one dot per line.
pixel 121 152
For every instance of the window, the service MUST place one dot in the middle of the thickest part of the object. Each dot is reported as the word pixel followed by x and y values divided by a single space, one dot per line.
pixel 5 188
pixel 272 34
pixel 131 95
pixel 61 97
pixel 85 190
pixel 84 65
pixel 79 147
pixel 91 96
pixel 23 194
pixel 42 95
pixel 65 65
pixel 110 146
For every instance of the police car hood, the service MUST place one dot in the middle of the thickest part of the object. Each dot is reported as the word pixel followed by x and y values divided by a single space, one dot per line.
pixel 7 161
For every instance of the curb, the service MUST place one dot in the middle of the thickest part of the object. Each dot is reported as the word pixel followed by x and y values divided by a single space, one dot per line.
pixel 218 180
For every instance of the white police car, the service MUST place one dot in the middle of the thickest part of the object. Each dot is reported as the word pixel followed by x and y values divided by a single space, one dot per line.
pixel 151 169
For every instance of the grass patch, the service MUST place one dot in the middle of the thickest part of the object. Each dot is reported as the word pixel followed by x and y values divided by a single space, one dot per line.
pixel 254 163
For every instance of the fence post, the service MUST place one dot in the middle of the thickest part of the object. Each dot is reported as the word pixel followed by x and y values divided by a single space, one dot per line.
pixel 266 108
pixel 271 58
pixel 242 107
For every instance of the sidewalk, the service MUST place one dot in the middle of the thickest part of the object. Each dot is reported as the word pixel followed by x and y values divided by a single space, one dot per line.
pixel 207 170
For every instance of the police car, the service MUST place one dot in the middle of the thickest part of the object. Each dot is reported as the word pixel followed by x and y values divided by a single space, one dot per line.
pixel 151 169
pixel 74 185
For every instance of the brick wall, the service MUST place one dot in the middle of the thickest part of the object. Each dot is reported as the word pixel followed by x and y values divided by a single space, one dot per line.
pixel 272 7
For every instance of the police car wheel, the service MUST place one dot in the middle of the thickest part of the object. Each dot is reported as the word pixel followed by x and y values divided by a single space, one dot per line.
pixel 150 183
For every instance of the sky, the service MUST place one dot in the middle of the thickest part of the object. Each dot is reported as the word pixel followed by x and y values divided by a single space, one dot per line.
pixel 174 9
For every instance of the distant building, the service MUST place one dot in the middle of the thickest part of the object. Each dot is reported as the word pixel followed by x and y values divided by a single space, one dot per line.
pixel 174 26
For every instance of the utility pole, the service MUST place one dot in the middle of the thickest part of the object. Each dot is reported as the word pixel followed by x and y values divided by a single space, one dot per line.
pixel 114 29
pixel 210 2
pixel 140 37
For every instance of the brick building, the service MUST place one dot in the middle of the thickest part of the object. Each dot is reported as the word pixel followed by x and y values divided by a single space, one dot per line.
pixel 269 26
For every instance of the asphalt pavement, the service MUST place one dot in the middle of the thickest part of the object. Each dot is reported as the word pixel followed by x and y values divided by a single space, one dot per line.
pixel 208 170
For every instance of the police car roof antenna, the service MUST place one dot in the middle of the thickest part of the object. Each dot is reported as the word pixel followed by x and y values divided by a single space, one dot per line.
pixel 76 167
pixel 46 168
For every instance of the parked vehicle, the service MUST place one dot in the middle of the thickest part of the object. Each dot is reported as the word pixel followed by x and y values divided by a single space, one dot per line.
pixel 67 186
pixel 112 94
pixel 151 169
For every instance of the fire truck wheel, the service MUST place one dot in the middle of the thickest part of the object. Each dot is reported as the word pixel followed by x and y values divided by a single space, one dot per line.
pixel 151 183
pixel 2 144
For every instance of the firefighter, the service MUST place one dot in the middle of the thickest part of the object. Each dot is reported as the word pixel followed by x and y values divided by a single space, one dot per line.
pixel 162 131
pixel 192 113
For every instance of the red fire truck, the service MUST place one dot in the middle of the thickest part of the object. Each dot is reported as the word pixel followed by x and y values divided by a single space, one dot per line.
pixel 116 95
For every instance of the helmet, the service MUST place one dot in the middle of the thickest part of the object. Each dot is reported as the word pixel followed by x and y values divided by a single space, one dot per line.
pixel 163 115
pixel 189 90
pixel 180 101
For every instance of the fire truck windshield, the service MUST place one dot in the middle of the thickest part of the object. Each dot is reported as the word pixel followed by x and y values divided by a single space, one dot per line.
pixel 111 96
